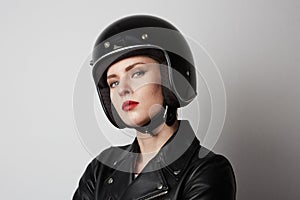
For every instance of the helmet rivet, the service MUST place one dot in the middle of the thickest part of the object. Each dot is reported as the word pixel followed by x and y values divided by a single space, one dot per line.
pixel 106 44
pixel 145 36
pixel 188 73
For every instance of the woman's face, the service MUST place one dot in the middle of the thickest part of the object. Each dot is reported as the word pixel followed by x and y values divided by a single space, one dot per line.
pixel 135 89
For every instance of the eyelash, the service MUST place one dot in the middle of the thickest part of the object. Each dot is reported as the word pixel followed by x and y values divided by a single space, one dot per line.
pixel 134 75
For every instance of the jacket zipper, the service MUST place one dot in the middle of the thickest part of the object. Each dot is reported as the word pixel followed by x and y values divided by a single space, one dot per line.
pixel 156 195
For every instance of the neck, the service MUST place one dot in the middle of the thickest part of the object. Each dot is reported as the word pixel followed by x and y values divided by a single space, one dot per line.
pixel 150 144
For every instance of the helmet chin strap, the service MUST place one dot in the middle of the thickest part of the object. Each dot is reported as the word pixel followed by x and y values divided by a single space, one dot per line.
pixel 153 123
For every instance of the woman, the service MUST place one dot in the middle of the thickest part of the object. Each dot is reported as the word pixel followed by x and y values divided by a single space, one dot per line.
pixel 143 70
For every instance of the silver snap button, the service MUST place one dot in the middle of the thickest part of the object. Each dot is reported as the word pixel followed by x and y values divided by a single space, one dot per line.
pixel 110 180
pixel 145 36
pixel 106 44
pixel 115 162
pixel 176 172
pixel 187 73
pixel 160 186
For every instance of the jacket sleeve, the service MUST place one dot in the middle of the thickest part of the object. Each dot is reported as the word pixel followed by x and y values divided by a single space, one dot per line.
pixel 87 183
pixel 212 179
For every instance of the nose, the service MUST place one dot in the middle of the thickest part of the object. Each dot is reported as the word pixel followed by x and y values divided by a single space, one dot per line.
pixel 124 88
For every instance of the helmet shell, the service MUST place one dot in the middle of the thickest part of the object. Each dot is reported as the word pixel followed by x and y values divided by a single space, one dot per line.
pixel 156 38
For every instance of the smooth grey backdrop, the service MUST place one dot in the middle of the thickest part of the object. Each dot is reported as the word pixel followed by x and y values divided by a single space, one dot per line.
pixel 255 44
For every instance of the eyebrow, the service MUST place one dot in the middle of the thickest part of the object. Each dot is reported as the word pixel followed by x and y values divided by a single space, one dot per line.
pixel 126 69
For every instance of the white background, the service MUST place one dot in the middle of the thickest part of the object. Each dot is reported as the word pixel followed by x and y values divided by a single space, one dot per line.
pixel 43 44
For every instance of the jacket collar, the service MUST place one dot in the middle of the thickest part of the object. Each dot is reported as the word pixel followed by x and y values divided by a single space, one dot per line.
pixel 179 149
pixel 174 155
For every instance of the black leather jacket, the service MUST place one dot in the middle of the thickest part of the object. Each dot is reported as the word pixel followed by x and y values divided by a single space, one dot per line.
pixel 182 169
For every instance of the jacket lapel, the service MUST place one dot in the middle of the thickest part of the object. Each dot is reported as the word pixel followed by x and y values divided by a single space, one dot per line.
pixel 146 186
pixel 117 182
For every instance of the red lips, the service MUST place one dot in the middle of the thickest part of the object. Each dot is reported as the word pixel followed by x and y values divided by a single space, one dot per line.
pixel 129 105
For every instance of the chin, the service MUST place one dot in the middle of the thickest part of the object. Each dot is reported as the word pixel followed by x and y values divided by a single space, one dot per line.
pixel 136 120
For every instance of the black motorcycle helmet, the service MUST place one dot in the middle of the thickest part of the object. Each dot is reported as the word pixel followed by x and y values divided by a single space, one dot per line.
pixel 158 39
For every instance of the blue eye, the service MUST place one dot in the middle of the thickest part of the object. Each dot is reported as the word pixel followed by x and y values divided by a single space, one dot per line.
pixel 113 84
pixel 138 74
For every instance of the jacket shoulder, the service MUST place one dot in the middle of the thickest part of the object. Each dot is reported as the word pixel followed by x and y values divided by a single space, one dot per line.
pixel 113 153
pixel 210 175
pixel 215 166
pixel 88 181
